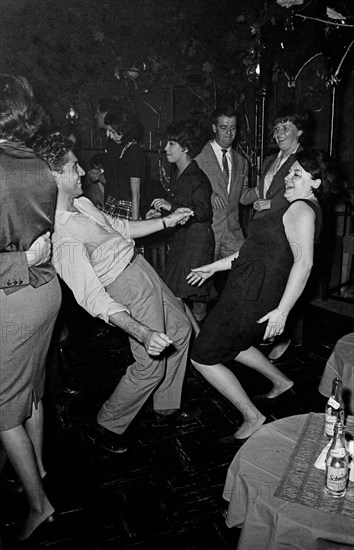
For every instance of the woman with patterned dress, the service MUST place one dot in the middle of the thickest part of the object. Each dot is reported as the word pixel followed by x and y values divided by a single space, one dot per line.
pixel 267 277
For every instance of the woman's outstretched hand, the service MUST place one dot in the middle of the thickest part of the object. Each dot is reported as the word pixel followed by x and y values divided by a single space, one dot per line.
pixel 161 203
pixel 152 213
pixel 276 323
pixel 200 274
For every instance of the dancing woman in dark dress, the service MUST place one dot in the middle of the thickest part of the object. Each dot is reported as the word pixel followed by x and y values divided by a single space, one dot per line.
pixel 267 277
pixel 193 243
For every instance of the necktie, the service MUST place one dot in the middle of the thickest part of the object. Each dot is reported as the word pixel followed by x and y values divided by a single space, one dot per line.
pixel 225 166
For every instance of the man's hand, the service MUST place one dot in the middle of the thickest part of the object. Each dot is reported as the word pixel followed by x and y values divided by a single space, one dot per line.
pixel 40 250
pixel 153 342
pixel 179 216
pixel 156 342
pixel 217 202
pixel 262 204
pixel 161 203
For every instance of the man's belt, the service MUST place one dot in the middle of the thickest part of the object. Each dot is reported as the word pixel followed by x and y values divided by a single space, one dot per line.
pixel 136 253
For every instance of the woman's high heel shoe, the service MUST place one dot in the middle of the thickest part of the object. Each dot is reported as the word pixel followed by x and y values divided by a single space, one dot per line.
pixel 38 529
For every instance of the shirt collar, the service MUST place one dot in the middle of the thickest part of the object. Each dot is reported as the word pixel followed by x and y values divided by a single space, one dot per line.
pixel 219 146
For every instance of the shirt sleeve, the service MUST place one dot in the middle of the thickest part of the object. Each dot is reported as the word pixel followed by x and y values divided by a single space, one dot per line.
pixel 72 263
pixel 121 225
pixel 248 195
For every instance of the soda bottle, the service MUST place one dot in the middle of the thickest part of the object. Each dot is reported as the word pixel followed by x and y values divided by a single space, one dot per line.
pixel 337 464
pixel 334 408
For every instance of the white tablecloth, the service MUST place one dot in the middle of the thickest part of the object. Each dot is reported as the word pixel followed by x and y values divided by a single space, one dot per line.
pixel 341 363
pixel 268 522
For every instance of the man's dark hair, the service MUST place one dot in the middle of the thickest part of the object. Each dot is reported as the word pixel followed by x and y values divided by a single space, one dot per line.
pixel 106 104
pixel 223 110
pixel 20 115
pixel 53 148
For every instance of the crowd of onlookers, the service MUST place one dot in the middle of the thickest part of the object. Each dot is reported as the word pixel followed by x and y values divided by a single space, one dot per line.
pixel 49 228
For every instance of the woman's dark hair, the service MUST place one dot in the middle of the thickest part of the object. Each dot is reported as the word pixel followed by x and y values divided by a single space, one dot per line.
pixel 20 115
pixel 299 116
pixel 321 166
pixel 126 123
pixel 53 148
pixel 188 134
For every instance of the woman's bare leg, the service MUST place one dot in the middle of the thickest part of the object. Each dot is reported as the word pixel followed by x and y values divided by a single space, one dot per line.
pixel 194 323
pixel 34 429
pixel 254 359
pixel 227 384
pixel 21 454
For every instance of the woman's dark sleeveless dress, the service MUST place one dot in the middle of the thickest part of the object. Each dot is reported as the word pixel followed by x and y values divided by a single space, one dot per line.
pixel 255 286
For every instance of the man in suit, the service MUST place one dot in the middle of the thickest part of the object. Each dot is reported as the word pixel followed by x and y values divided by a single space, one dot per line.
pixel 227 171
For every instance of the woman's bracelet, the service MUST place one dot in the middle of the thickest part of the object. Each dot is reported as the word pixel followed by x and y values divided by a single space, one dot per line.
pixel 282 312
pixel 164 223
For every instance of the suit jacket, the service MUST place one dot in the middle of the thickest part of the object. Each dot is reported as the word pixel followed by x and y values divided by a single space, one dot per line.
pixel 28 195
pixel 276 189
pixel 226 224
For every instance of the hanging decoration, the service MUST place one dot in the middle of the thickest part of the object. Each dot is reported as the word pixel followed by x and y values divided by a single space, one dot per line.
pixel 72 115
pixel 129 73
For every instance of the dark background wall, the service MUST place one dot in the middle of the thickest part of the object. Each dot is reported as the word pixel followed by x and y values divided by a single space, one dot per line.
pixel 187 56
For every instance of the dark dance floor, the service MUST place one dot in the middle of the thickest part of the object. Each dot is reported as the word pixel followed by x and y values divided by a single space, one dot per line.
pixel 166 491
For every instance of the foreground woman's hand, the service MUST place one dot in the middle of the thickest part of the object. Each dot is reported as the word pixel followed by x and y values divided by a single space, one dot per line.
pixel 276 323
pixel 200 274
pixel 40 250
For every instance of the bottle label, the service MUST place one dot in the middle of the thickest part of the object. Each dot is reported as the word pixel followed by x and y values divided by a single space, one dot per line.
pixel 329 424
pixel 338 453
pixel 336 479
pixel 333 403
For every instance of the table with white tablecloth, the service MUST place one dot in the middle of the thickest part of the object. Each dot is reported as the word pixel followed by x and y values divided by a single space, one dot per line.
pixel 271 523
pixel 341 364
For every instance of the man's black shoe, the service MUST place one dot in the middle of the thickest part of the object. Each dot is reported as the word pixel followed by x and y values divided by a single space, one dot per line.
pixel 106 439
pixel 178 416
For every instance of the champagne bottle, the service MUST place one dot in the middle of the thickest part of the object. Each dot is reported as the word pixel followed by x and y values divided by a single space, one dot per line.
pixel 334 408
pixel 337 464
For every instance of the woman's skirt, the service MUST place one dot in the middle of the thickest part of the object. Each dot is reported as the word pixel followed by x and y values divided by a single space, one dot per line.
pixel 27 319
pixel 192 246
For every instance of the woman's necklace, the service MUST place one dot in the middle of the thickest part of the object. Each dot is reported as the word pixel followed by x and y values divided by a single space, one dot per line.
pixel 126 146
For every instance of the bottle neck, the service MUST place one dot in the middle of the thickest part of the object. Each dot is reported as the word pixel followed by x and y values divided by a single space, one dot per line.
pixel 338 436
pixel 336 387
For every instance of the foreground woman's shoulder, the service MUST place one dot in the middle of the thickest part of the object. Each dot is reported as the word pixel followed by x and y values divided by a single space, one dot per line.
pixel 301 209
